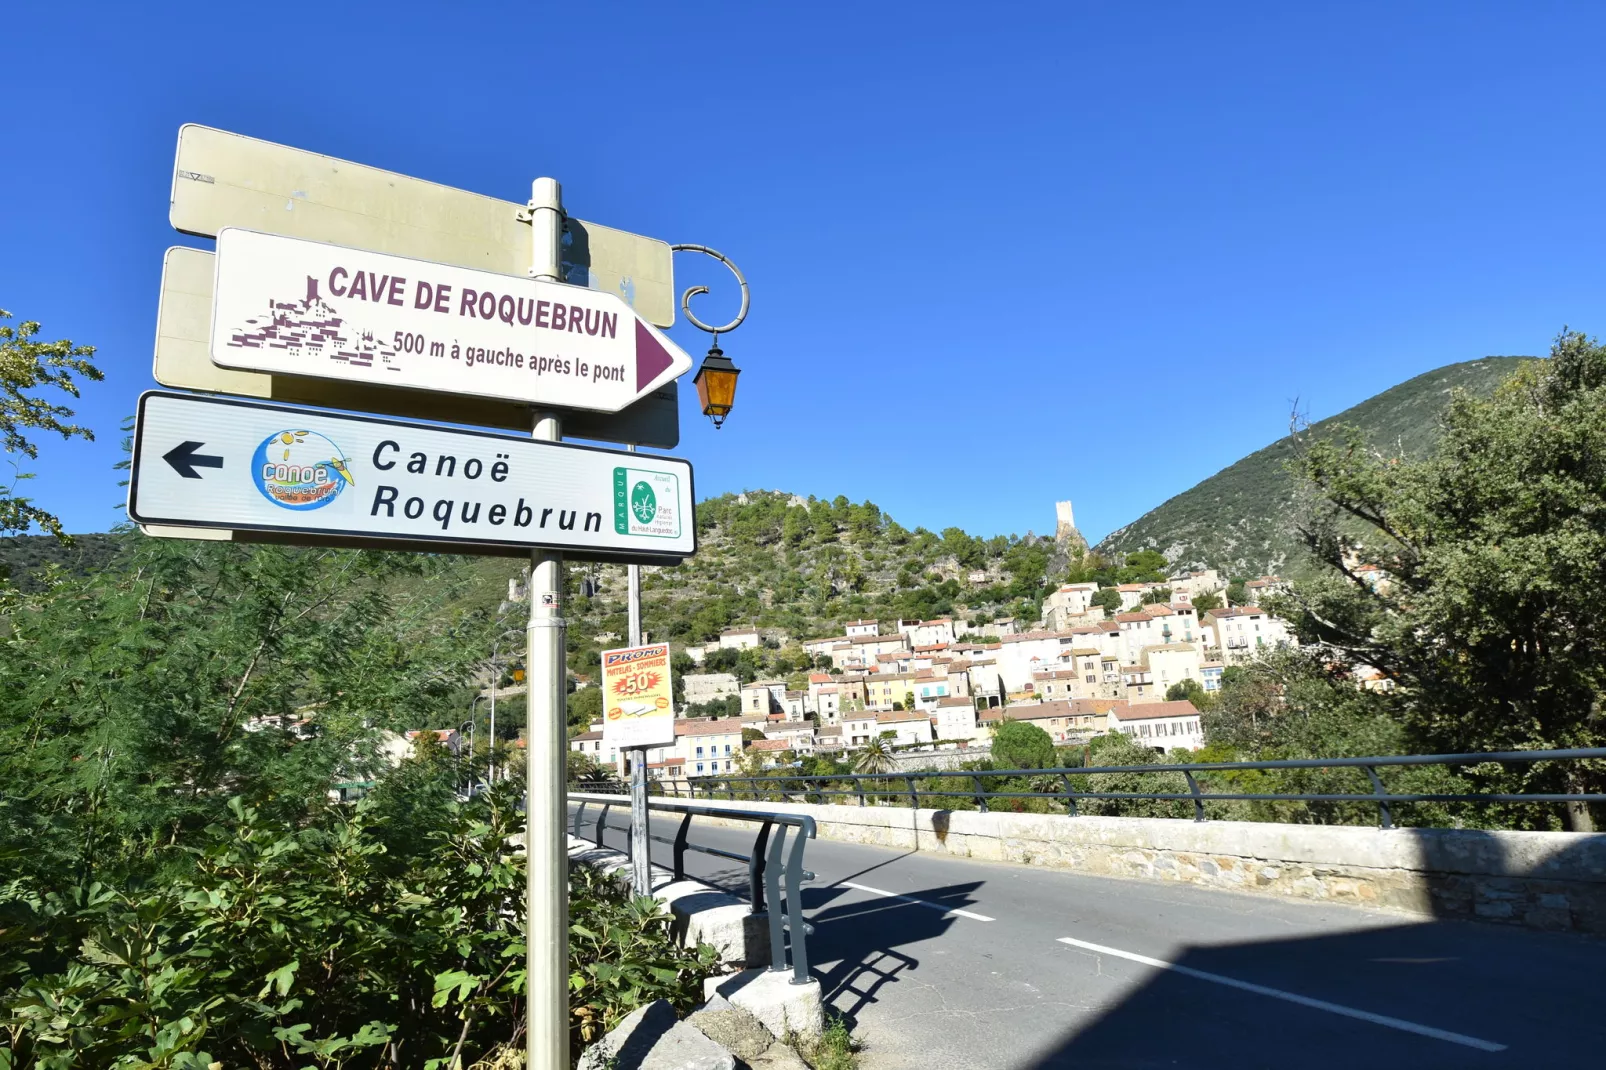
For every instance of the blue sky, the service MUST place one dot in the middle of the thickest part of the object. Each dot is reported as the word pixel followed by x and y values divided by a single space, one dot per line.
pixel 1000 254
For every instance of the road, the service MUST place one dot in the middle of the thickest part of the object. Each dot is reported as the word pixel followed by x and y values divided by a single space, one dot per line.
pixel 963 965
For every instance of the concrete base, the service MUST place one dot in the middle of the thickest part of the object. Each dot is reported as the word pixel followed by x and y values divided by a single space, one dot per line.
pixel 651 1039
pixel 703 915
pixel 773 999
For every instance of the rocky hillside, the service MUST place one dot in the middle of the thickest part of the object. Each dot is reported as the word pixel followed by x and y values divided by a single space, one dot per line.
pixel 1242 519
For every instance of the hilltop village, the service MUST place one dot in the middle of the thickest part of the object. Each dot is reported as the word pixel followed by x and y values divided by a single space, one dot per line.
pixel 1090 664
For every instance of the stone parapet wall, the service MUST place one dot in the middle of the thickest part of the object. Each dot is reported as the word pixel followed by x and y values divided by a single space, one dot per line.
pixel 1547 880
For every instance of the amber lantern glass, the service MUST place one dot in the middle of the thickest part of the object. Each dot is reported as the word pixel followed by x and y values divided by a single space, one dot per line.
pixel 716 385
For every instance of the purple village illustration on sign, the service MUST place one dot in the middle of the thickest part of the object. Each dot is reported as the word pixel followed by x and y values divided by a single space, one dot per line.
pixel 311 327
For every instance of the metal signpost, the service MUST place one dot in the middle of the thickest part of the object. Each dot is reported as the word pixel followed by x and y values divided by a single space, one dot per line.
pixel 638 714
pixel 345 286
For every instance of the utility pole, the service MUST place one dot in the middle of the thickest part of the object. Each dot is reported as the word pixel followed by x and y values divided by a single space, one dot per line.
pixel 546 735
pixel 640 845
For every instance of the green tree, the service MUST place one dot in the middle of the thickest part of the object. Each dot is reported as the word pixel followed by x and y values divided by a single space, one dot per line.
pixel 584 708
pixel 875 757
pixel 1204 603
pixel 1191 690
pixel 1108 599
pixel 1489 621
pixel 1237 593
pixel 26 366
pixel 1021 745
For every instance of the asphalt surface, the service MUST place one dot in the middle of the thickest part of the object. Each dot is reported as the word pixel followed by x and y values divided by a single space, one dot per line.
pixel 963 965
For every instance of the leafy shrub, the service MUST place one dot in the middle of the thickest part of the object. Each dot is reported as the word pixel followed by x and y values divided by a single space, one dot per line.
pixel 328 945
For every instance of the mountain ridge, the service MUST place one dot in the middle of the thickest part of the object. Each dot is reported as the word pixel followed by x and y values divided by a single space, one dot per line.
pixel 1242 518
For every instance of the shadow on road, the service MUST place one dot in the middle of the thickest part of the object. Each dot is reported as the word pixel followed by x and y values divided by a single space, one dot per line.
pixel 858 942
pixel 1461 993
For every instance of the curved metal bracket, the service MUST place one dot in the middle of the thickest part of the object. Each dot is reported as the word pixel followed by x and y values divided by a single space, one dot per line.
pixel 685 298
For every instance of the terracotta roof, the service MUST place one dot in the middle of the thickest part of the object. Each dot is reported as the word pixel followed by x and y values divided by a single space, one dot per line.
pixel 1130 618
pixel 903 715
pixel 707 727
pixel 1026 637
pixel 954 700
pixel 769 744
pixel 1055 674
pixel 861 640
pixel 1157 610
pixel 856 623
pixel 1236 611
pixel 1133 588
pixel 1149 710
pixel 585 737
pixel 819 677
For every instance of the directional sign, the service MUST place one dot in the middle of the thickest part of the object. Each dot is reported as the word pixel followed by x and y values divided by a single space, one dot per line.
pixel 299 307
pixel 221 179
pixel 184 331
pixel 293 475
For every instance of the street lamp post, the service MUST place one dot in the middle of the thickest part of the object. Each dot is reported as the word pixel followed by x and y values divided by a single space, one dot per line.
pixel 716 379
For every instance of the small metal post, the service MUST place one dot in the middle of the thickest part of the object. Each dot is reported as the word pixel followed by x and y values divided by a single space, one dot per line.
pixel 1384 813
pixel 579 816
pixel 680 847
pixel 914 796
pixel 772 886
pixel 755 870
pixel 602 825
pixel 797 928
pixel 858 785
pixel 1198 803
pixel 1070 799
pixel 981 800
pixel 640 844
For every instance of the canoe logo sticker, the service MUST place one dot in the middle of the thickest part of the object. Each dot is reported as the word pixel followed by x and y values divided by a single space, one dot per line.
pixel 299 470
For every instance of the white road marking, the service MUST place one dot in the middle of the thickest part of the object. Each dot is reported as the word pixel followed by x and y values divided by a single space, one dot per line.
pixel 917 902
pixel 1303 1001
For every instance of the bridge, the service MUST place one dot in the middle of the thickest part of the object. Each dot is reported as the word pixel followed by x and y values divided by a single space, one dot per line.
pixel 941 960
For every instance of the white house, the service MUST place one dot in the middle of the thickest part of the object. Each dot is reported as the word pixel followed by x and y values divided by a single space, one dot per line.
pixel 939 632
pixel 1245 632
pixel 862 627
pixel 1161 725
pixel 910 726
pixel 1173 663
pixel 955 717
pixel 739 639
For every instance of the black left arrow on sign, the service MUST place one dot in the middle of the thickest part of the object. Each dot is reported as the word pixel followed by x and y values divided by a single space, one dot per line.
pixel 185 460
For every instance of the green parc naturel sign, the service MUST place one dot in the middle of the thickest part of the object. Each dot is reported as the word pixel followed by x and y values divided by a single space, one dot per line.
pixel 644 503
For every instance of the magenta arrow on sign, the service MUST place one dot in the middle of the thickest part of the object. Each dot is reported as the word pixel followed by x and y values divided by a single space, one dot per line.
pixel 651 357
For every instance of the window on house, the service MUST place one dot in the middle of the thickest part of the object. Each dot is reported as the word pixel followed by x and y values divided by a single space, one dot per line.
pixel 699 752
pixel 699 767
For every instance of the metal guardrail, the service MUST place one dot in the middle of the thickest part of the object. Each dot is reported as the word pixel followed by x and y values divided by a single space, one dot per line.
pixel 771 879
pixel 754 787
